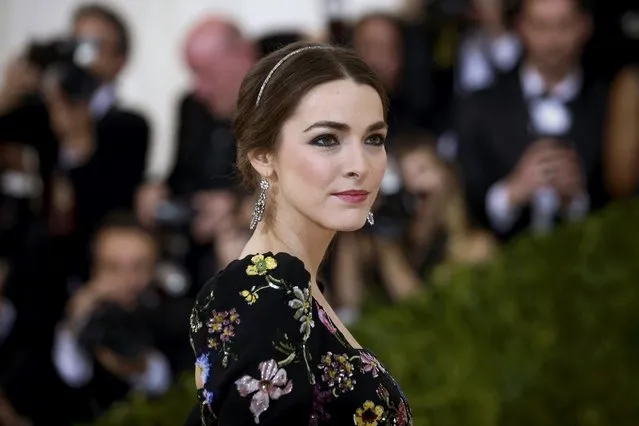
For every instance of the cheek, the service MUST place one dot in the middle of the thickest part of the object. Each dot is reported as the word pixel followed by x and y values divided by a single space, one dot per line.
pixel 314 172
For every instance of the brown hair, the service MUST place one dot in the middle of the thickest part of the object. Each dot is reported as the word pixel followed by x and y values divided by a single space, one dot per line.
pixel 112 18
pixel 257 126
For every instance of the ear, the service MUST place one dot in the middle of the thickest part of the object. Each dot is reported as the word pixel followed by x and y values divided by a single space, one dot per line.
pixel 262 162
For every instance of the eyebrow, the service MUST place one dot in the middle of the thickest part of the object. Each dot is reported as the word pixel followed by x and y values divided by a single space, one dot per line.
pixel 344 127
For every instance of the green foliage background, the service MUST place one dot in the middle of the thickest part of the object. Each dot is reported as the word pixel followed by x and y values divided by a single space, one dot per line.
pixel 546 334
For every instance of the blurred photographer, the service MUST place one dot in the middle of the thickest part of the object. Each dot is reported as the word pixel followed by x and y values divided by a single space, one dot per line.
pixel 109 341
pixel 60 97
pixel 201 190
pixel 530 146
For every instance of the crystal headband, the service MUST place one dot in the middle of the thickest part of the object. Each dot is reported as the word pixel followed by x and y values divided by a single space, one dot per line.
pixel 279 63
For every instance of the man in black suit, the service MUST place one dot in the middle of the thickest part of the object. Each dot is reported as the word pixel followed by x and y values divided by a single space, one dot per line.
pixel 529 146
pixel 203 176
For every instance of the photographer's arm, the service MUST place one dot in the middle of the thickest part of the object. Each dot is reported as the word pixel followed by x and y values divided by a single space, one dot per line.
pixel 73 365
pixel 20 78
pixel 156 377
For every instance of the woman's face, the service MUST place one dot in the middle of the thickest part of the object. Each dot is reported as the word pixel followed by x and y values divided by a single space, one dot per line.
pixel 331 157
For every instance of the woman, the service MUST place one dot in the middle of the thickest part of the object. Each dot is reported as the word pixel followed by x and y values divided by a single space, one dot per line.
pixel 621 156
pixel 310 128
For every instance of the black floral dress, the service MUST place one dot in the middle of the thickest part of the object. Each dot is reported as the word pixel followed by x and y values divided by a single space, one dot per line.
pixel 268 354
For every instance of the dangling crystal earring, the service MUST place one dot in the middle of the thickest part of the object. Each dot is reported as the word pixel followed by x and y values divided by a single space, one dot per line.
pixel 260 205
pixel 370 218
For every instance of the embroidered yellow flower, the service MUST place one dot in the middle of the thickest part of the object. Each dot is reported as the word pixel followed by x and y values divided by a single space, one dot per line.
pixel 261 265
pixel 368 414
pixel 249 296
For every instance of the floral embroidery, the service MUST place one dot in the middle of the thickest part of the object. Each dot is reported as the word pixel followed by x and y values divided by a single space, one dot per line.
pixel 399 412
pixel 272 385
pixel 249 295
pixel 323 316
pixel 261 265
pixel 402 415
pixel 320 399
pixel 370 364
pixel 195 322
pixel 221 328
pixel 337 372
pixel 301 302
pixel 368 414
pixel 202 368
pixel 207 397
pixel 303 313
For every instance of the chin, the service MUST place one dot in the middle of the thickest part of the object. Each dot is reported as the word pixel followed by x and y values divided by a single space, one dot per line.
pixel 346 221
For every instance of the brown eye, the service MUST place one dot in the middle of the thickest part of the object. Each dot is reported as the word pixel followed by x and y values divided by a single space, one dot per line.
pixel 325 141
pixel 376 140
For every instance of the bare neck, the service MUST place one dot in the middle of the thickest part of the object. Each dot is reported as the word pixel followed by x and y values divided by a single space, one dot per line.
pixel 305 240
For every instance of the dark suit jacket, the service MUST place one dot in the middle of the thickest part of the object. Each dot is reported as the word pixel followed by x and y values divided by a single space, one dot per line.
pixel 492 130
pixel 107 181
pixel 206 151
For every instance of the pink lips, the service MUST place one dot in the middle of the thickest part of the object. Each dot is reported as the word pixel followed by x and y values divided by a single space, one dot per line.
pixel 353 196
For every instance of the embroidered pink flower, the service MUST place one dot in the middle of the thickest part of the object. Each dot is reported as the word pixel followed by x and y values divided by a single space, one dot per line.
pixel 402 415
pixel 273 384
pixel 370 364
pixel 323 316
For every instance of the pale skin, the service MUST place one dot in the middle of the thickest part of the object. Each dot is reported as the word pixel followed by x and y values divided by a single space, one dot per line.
pixel 332 143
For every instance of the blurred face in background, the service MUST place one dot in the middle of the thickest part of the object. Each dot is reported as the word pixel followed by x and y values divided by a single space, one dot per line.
pixel 110 58
pixel 124 261
pixel 554 33
pixel 422 172
pixel 218 62
pixel 379 43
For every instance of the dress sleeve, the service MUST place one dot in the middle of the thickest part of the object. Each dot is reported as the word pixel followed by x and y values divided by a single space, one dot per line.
pixel 251 335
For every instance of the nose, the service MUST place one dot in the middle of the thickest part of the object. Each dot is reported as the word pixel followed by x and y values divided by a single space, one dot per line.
pixel 357 163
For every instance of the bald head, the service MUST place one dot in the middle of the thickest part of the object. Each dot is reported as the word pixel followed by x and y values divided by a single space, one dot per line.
pixel 213 36
pixel 219 56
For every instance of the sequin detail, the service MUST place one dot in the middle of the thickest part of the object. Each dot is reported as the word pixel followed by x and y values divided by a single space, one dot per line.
pixel 272 385
pixel 337 373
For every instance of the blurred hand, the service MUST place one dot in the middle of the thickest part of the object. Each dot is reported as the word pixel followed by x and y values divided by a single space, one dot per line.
pixel 9 416
pixel 20 78
pixel 569 179
pixel 71 122
pixel 86 299
pixel 147 200
pixel 535 169
pixel 119 366
pixel 211 207
pixel 81 305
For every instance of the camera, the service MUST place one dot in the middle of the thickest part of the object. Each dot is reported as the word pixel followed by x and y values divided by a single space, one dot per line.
pixel 112 327
pixel 70 60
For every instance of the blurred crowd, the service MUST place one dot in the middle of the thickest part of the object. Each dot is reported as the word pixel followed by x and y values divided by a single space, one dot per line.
pixel 506 117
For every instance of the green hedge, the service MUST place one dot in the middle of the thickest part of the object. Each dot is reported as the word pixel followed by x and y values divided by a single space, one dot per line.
pixel 546 334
